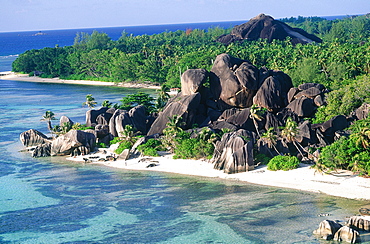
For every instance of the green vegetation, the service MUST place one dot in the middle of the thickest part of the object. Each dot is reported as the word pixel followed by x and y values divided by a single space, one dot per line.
pixel 90 101
pixel 161 58
pixel 283 163
pixel 48 117
pixel 350 153
pixel 151 148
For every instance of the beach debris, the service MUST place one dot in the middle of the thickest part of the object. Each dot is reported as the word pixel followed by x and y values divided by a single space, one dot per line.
pixel 153 164
pixel 143 160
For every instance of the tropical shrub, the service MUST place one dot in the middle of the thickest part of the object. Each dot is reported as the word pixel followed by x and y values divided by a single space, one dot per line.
pixel 281 162
pixel 151 147
pixel 122 146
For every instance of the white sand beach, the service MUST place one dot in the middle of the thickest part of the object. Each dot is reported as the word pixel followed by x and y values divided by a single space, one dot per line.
pixel 341 184
pixel 26 78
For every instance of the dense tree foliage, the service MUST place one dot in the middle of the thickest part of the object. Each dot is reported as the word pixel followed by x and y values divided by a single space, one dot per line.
pixel 161 58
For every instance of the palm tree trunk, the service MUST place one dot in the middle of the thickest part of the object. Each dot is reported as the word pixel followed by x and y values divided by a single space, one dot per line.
pixel 49 125
pixel 295 144
pixel 256 126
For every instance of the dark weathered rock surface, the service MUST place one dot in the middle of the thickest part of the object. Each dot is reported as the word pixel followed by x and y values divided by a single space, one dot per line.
pixel 234 82
pixel 303 106
pixel 266 27
pixel 192 80
pixel 273 93
pixel 362 112
pixel 92 114
pixel 138 117
pixel 65 144
pixel 327 229
pixel 346 234
pixel 42 150
pixel 234 153
pixel 359 223
pixel 184 106
pixel 33 137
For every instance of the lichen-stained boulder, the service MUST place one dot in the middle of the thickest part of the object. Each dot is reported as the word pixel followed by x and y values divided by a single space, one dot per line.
pixel 327 229
pixel 33 137
pixel 233 82
pixel 184 106
pixel 192 80
pixel 234 153
pixel 42 150
pixel 64 119
pixel 138 117
pixel 303 106
pixel 273 93
pixel 92 114
pixel 65 144
pixel 359 223
pixel 347 234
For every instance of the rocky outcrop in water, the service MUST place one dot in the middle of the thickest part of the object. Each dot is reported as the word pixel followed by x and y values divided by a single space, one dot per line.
pixel 327 229
pixel 73 140
pixel 33 138
pixel 266 27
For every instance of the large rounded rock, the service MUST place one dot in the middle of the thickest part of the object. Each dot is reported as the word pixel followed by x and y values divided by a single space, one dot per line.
pixel 266 27
pixel 138 117
pixel 33 137
pixel 92 114
pixel 192 80
pixel 346 234
pixel 327 229
pixel 184 106
pixel 42 150
pixel 65 144
pixel 64 119
pixel 233 81
pixel 234 153
pixel 359 223
pixel 273 93
pixel 303 106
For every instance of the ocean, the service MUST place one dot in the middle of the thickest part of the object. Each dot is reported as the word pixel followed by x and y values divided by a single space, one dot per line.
pixel 51 200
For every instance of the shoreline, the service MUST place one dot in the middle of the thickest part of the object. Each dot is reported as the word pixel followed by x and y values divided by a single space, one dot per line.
pixel 342 184
pixel 24 77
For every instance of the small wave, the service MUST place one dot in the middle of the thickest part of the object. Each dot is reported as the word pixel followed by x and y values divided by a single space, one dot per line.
pixel 9 56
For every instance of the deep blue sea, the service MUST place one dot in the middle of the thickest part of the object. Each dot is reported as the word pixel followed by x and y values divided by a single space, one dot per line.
pixel 51 200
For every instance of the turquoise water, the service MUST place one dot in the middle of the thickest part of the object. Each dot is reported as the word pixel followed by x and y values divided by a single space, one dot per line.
pixel 51 200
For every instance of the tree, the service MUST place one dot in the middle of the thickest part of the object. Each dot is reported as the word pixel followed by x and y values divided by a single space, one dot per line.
pixel 290 133
pixel 106 103
pixel 172 130
pixel 90 101
pixel 269 137
pixel 163 97
pixel 256 113
pixel 48 117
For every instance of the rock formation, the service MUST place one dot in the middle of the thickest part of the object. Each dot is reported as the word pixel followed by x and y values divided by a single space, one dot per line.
pixel 74 139
pixel 266 27
pixel 327 229
pixel 234 153
pixel 346 234
pixel 33 138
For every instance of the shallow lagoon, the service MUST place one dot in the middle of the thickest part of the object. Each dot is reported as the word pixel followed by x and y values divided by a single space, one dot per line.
pixel 50 200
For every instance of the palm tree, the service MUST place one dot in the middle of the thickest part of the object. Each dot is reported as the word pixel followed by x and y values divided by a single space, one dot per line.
pixel 290 133
pixel 163 97
pixel 48 117
pixel 362 138
pixel 128 133
pixel 106 103
pixel 90 101
pixel 269 137
pixel 171 131
pixel 256 113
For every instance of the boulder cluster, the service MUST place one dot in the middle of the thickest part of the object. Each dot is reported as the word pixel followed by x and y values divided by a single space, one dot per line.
pixel 332 230
pixel 266 27
pixel 222 98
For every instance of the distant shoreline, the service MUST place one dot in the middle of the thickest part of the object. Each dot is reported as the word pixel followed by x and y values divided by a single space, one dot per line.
pixel 26 78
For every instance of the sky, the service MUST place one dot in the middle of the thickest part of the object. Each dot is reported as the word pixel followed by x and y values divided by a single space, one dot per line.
pixel 39 15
